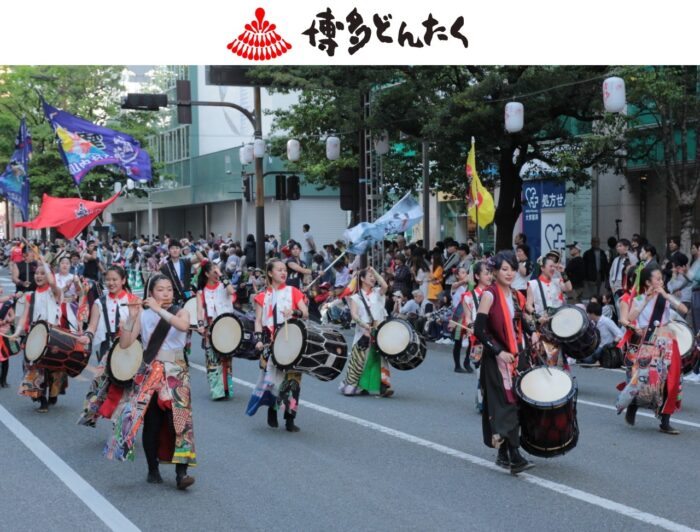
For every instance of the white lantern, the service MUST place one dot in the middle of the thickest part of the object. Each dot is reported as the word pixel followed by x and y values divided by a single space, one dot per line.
pixel 333 148
pixel 246 154
pixel 515 117
pixel 130 184
pixel 614 98
pixel 293 150
pixel 117 187
pixel 259 148
pixel 381 143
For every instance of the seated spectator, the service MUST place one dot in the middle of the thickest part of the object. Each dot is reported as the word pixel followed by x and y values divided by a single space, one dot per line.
pixel 610 334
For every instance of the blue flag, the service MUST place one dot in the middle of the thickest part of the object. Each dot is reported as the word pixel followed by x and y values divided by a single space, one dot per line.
pixel 14 181
pixel 84 145
pixel 400 218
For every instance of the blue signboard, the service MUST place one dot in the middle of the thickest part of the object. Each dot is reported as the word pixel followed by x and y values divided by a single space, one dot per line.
pixel 544 219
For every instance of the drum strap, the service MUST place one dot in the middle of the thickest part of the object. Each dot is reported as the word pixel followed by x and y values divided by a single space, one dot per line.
pixel 105 316
pixel 476 300
pixel 656 315
pixel 544 299
pixel 364 302
pixel 176 279
pixel 158 337
pixel 30 316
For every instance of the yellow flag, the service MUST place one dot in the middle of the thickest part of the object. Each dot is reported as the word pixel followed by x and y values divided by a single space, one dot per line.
pixel 477 195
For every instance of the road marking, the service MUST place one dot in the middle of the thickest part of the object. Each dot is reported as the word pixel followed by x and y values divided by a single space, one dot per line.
pixel 645 414
pixel 100 506
pixel 562 489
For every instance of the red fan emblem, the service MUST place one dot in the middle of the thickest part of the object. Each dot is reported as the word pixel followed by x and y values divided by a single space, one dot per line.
pixel 259 41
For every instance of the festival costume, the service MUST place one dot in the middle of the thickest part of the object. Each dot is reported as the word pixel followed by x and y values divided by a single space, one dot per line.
pixel 37 381
pixel 104 396
pixel 275 387
pixel 7 347
pixel 160 400
pixel 215 300
pixel 368 371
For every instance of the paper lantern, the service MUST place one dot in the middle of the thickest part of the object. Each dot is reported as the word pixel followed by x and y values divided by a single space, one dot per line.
pixel 117 187
pixel 381 143
pixel 333 148
pixel 246 154
pixel 293 150
pixel 515 117
pixel 130 184
pixel 259 148
pixel 614 98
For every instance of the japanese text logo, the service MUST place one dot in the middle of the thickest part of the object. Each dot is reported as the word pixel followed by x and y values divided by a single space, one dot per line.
pixel 259 41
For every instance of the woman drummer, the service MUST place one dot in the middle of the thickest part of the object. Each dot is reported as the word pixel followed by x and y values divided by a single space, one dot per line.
pixel 160 397
pixel 44 304
pixel 368 311
pixel 214 297
pixel 645 315
pixel 273 307
pixel 106 318
pixel 500 326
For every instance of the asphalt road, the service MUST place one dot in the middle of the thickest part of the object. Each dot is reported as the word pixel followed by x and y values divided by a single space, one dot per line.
pixel 412 462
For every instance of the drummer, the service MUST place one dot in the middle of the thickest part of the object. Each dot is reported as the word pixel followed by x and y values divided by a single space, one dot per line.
pixel 500 326
pixel 7 347
pixel 646 315
pixel 106 318
pixel 44 303
pixel 214 297
pixel 368 372
pixel 276 387
pixel 160 398
pixel 72 291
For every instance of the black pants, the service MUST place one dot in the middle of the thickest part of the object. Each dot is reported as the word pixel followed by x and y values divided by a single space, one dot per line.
pixel 153 420
pixel 456 351
pixel 4 368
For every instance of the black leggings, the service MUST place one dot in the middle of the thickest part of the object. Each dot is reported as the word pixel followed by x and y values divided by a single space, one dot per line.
pixel 4 367
pixel 152 422
pixel 456 352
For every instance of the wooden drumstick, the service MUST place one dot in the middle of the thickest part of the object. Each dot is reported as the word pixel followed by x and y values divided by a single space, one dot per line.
pixel 461 325
pixel 286 332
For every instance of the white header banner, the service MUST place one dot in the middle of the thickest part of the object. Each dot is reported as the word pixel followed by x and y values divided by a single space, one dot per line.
pixel 360 32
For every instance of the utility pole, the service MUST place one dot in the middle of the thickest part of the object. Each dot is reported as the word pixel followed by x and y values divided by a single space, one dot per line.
pixel 426 197
pixel 259 187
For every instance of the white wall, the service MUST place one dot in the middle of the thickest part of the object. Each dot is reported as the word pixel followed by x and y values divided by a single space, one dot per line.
pixel 222 128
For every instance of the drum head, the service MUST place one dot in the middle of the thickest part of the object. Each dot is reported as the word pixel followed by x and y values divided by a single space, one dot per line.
pixel 125 363
pixel 289 344
pixel 191 307
pixel 567 322
pixel 684 336
pixel 226 334
pixel 37 339
pixel 545 385
pixel 394 337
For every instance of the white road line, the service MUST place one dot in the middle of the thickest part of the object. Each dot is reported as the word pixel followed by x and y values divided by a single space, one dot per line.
pixel 562 489
pixel 645 414
pixel 100 506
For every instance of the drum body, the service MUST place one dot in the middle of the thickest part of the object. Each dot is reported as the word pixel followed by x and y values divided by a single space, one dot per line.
pixel 123 364
pixel 399 342
pixel 686 344
pixel 320 351
pixel 191 307
pixel 246 349
pixel 56 349
pixel 572 329
pixel 611 357
pixel 548 425
pixel 226 334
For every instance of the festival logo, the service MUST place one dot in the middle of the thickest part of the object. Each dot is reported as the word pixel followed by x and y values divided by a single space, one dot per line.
pixel 82 211
pixel 259 40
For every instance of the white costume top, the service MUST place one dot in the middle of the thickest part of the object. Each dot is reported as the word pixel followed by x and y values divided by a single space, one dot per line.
pixel 284 298
pixel 645 316
pixel 46 307
pixel 64 280
pixel 112 303
pixel 376 302
pixel 175 340
pixel 216 300
pixel 553 293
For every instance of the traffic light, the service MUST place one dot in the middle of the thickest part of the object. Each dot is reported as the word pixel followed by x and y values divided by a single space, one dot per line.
pixel 183 93
pixel 349 184
pixel 280 187
pixel 293 187
pixel 245 185
pixel 144 102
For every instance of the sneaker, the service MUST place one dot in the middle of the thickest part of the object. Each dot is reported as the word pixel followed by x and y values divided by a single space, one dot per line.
pixel 460 370
pixel 184 482
pixel 668 429
pixel 154 477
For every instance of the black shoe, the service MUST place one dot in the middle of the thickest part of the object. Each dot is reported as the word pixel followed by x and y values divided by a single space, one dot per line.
pixel 385 391
pixel 4 384
pixel 469 369
pixel 43 405
pixel 668 429
pixel 154 477
pixel 184 482
pixel 53 400
pixel 518 463
pixel 290 426
pixel 630 414
pixel 502 460
pixel 272 418
pixel 460 370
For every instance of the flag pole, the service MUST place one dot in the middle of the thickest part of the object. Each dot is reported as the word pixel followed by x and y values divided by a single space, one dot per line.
pixel 476 202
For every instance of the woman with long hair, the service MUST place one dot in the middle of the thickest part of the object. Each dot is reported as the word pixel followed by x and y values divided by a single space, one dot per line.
pixel 106 319
pixel 276 387
pixel 215 296
pixel 459 320
pixel 500 326
pixel 160 399
pixel 435 278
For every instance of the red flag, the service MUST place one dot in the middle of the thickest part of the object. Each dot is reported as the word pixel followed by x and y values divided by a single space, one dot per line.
pixel 68 215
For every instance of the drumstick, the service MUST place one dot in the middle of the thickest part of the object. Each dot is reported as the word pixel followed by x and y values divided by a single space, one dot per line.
pixel 286 333
pixel 462 326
